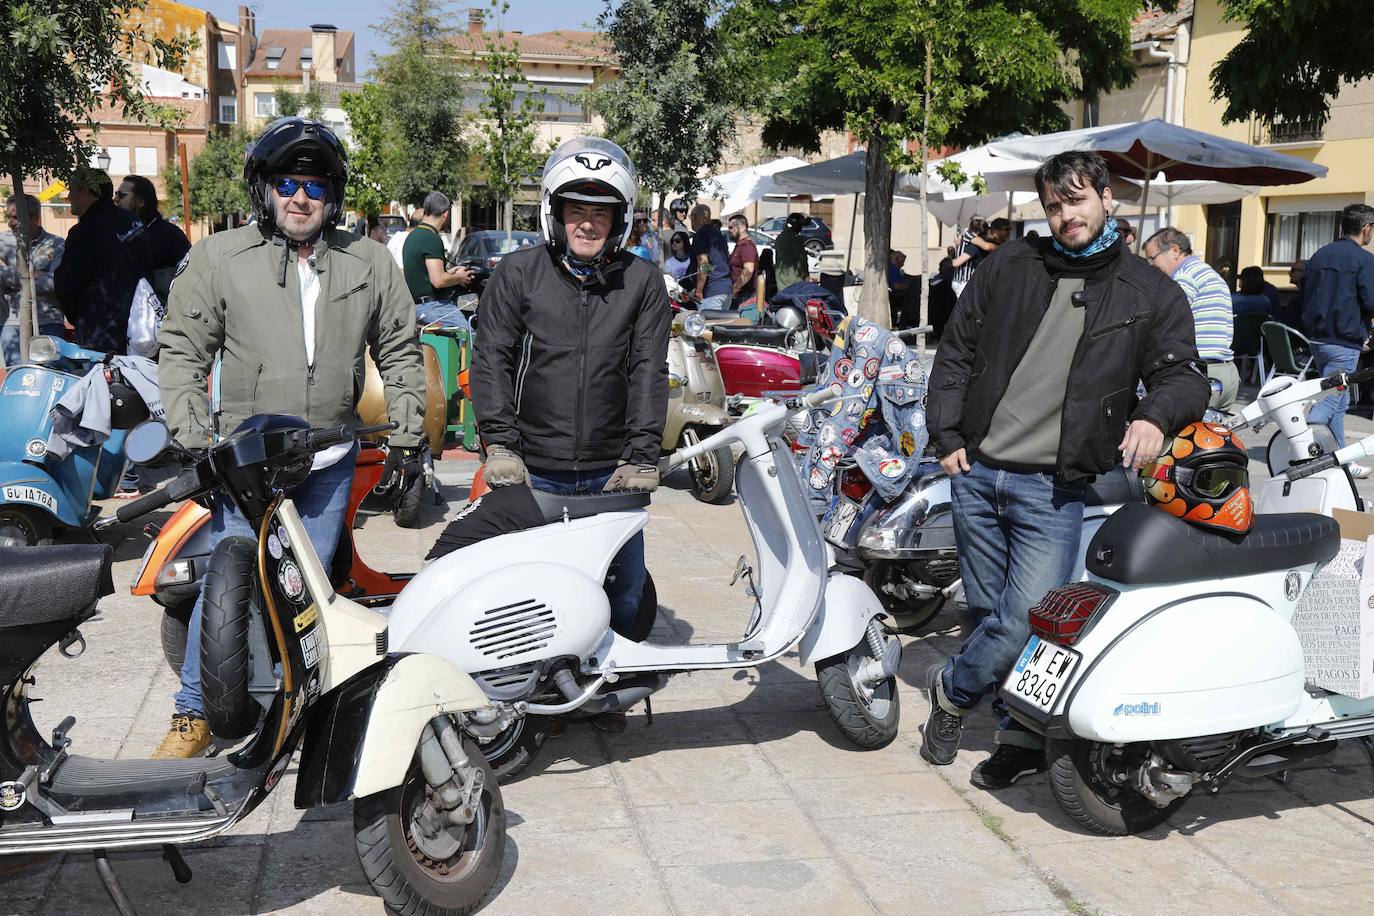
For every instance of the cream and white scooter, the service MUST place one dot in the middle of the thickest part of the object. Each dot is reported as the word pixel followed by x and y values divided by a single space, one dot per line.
pixel 527 615
pixel 1175 665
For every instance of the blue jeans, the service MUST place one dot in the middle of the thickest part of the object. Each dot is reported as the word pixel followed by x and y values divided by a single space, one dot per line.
pixel 721 302
pixel 441 312
pixel 625 578
pixel 1017 535
pixel 321 501
pixel 1331 409
pixel 9 339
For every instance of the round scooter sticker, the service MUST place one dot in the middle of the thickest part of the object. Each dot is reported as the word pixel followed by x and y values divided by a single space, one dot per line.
pixel 283 537
pixel 289 576
pixel 12 796
pixel 274 546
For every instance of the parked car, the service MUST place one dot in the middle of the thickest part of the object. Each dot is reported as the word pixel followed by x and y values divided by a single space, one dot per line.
pixel 481 251
pixel 816 234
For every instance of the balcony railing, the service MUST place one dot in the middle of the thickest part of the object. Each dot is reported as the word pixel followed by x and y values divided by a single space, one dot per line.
pixel 1291 132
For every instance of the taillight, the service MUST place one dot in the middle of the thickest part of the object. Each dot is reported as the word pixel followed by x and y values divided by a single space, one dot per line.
pixel 855 485
pixel 1064 613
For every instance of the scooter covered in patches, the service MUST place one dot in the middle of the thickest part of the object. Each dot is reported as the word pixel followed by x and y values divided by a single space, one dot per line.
pixel 289 665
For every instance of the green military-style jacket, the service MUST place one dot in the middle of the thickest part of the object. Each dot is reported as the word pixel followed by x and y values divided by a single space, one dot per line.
pixel 238 294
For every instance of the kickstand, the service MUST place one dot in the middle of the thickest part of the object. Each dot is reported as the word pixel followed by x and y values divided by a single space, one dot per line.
pixel 648 712
pixel 111 882
pixel 180 870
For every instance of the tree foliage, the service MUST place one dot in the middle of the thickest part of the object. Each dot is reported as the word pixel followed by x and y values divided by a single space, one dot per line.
pixel 215 176
pixel 1293 58
pixel 371 159
pixel 307 104
pixel 507 143
pixel 670 108
pixel 423 86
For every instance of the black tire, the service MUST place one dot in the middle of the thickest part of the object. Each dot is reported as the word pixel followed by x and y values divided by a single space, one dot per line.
pixel 909 617
pixel 1102 808
pixel 23 527
pixel 228 592
pixel 815 246
pixel 868 721
pixel 512 751
pixel 176 623
pixel 410 882
pixel 407 506
pixel 716 482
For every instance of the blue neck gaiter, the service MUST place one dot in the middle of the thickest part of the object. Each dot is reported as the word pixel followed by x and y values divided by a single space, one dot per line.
pixel 1106 239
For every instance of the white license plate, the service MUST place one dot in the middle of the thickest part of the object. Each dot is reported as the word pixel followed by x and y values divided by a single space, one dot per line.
pixel 1041 673
pixel 21 494
pixel 846 510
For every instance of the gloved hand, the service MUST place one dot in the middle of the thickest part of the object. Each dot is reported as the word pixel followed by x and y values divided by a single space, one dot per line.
pixel 404 462
pixel 642 478
pixel 504 468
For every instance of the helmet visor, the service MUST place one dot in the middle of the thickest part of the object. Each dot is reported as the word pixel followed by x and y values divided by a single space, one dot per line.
pixel 1213 480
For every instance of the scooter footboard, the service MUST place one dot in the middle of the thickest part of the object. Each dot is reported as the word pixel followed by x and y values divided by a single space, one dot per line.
pixel 1216 664
pixel 840 623
pixel 361 739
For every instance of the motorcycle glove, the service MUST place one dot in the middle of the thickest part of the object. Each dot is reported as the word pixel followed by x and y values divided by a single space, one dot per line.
pixel 504 468
pixel 642 478
pixel 402 461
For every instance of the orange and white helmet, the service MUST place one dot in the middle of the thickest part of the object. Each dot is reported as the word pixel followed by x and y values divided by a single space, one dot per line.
pixel 1203 477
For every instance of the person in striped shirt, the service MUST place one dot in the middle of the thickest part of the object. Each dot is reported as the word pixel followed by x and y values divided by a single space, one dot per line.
pixel 1210 297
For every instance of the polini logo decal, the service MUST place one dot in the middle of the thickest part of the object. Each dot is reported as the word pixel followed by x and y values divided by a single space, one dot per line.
pixel 1137 709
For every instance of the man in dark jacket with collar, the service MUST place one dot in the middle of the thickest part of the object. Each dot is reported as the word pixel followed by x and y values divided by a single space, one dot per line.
pixel 570 377
pixel 1033 392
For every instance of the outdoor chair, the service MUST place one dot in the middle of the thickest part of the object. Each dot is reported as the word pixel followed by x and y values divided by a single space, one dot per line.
pixel 1284 357
pixel 1247 343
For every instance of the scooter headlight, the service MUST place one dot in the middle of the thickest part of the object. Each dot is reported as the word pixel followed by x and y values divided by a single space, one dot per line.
pixel 42 350
pixel 904 526
pixel 693 325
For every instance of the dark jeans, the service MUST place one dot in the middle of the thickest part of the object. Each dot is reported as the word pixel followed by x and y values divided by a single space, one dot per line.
pixel 1017 535
pixel 625 578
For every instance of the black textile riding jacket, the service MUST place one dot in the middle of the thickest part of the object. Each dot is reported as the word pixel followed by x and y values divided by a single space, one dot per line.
pixel 569 375
pixel 1138 326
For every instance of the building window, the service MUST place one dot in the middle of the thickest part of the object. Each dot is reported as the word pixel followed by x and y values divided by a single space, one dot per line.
pixel 228 109
pixel 119 162
pixel 228 55
pixel 307 58
pixel 264 104
pixel 1291 237
pixel 145 160
pixel 274 56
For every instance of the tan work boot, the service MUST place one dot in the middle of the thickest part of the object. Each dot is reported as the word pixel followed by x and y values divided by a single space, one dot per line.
pixel 188 737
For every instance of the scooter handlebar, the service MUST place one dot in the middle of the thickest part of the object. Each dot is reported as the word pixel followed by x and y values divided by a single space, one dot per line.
pixel 183 487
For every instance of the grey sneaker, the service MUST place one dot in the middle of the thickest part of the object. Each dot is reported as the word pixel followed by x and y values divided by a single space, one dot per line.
pixel 943 729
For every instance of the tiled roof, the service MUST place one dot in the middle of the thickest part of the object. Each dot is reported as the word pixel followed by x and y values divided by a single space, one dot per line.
pixel 591 47
pixel 195 112
pixel 291 42
pixel 330 92
pixel 1152 23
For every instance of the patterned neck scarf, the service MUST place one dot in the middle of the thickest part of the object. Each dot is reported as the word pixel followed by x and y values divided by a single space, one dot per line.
pixel 1106 239
pixel 582 270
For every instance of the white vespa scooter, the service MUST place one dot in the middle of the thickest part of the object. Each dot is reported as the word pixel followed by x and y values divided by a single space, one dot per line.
pixel 1175 664
pixel 527 615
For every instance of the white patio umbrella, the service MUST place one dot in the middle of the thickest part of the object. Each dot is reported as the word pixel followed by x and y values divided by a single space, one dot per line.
pixel 1144 149
pixel 744 186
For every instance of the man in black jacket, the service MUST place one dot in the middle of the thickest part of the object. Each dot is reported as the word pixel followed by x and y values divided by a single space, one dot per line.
pixel 569 377
pixel 1033 392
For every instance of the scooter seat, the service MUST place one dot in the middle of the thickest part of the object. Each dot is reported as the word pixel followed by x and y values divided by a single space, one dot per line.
pixel 763 336
pixel 1114 488
pixel 1142 545
pixel 554 506
pixel 719 314
pixel 48 584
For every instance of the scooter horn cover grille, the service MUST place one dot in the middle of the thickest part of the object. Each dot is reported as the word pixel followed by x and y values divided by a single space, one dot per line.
pixel 512 629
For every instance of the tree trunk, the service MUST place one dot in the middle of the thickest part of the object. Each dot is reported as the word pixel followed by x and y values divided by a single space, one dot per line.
pixel 879 181
pixel 924 316
pixel 27 295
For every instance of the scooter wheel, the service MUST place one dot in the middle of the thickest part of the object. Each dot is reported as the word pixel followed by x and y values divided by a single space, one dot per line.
pixel 407 506
pixel 20 527
pixel 866 715
pixel 228 591
pixel 445 875
pixel 716 481
pixel 176 623
pixel 1077 778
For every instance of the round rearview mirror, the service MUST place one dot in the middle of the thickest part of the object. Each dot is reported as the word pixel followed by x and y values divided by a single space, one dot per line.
pixel 146 441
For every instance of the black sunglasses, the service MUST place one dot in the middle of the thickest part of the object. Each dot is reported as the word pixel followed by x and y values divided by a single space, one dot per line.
pixel 287 187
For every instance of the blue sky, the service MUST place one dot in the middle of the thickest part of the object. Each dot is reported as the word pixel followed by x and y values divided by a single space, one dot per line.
pixel 357 16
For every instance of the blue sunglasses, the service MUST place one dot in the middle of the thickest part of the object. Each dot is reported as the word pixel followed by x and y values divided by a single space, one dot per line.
pixel 287 187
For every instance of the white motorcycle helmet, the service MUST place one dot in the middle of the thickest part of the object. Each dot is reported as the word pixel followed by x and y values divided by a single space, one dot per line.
pixel 594 171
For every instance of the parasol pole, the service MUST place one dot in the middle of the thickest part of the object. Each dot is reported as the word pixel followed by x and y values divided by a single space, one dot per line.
pixel 1145 201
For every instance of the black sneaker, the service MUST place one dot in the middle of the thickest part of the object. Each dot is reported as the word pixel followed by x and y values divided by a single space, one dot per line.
pixel 1006 765
pixel 942 728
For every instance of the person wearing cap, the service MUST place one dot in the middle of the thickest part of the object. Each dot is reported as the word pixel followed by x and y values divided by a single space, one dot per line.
pixel 106 254
pixel 569 371
pixel 289 306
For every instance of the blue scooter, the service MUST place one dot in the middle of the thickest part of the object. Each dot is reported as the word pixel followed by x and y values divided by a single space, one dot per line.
pixel 39 493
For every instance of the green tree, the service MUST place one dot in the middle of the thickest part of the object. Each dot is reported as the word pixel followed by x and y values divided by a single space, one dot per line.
pixel 371 159
pixel 944 72
pixel 59 61
pixel 215 175
pixel 307 104
pixel 507 143
pixel 1293 58
pixel 423 87
pixel 670 107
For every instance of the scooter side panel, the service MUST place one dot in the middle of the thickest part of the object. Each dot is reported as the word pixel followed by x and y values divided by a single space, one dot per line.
pixel 1213 664
pixel 848 607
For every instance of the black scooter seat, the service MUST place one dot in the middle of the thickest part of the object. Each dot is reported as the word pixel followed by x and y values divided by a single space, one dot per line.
pixel 719 314
pixel 764 336
pixel 1142 545
pixel 1114 488
pixel 48 584
pixel 553 506
pixel 78 775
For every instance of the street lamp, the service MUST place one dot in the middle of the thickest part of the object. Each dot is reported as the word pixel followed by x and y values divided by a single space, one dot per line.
pixel 102 159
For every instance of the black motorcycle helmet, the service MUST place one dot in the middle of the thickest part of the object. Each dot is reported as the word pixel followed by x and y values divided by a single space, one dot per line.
pixel 300 146
pixel 795 221
pixel 127 409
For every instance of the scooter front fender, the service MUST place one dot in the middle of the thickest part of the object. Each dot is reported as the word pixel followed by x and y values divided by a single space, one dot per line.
pixel 24 484
pixel 840 623
pixel 363 735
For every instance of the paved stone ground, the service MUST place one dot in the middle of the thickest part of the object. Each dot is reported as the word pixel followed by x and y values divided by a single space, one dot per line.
pixel 740 798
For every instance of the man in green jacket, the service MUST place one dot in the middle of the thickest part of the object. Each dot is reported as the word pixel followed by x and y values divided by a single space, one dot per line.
pixel 288 306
